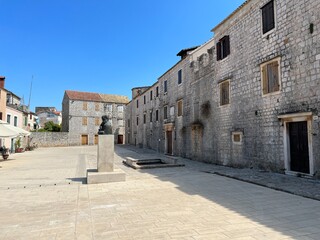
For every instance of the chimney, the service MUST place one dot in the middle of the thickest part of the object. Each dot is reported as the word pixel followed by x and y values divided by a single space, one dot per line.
pixel 2 81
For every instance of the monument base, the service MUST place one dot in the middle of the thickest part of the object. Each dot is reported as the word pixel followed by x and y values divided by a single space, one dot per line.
pixel 106 177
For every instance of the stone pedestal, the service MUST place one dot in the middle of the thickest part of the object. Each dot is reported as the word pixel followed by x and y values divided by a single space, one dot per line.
pixel 105 163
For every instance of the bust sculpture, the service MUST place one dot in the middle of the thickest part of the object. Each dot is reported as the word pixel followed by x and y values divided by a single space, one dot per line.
pixel 105 126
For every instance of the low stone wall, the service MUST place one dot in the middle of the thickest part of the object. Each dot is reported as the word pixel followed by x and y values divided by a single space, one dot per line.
pixel 52 139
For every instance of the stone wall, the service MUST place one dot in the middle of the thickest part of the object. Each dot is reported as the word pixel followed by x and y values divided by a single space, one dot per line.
pixel 53 139
pixel 205 130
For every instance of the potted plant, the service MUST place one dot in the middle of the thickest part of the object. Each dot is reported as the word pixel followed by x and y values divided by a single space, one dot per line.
pixel 17 145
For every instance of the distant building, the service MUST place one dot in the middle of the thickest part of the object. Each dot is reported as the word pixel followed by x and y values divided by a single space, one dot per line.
pixel 47 114
pixel 82 112
pixel 3 97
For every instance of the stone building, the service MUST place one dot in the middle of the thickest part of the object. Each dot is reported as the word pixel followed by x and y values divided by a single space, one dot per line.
pixel 82 112
pixel 249 97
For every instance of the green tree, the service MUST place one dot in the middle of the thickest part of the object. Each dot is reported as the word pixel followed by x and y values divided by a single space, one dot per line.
pixel 52 127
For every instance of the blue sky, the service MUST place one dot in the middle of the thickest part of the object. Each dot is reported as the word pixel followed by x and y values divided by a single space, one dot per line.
pixel 105 46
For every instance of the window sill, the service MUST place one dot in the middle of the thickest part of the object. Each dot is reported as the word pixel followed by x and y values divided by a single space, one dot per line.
pixel 271 94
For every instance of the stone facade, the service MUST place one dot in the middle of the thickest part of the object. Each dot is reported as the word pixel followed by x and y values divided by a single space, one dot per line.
pixel 82 112
pixel 250 95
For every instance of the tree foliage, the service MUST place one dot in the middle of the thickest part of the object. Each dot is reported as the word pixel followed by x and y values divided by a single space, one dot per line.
pixel 52 127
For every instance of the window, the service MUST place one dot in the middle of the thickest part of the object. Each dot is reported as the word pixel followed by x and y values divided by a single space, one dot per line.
pixel 25 121
pixel 180 76
pixel 223 48
pixel 15 121
pixel 8 118
pixel 120 123
pixel 180 105
pixel 97 121
pixel 224 93
pixel 157 115
pixel 84 106
pixel 144 118
pixel 108 107
pixel 84 121
pixel 270 73
pixel 120 108
pixel 165 86
pixel 137 103
pixel 157 91
pixel 97 106
pixel 30 116
pixel 268 22
pixel 151 93
pixel 151 116
pixel 144 99
pixel 165 112
pixel 237 137
pixel 137 121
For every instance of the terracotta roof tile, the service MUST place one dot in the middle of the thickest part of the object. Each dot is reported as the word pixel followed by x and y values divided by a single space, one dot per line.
pixel 84 96
pixel 96 97
pixel 114 98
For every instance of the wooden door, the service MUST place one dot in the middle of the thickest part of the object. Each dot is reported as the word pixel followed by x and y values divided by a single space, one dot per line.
pixel 120 139
pixel 299 149
pixel 84 139
pixel 169 142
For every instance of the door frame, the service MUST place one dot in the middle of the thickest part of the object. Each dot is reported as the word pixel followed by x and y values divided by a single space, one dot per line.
pixel 297 117
pixel 169 127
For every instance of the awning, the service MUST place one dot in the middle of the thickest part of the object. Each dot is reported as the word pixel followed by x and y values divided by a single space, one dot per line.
pixel 9 131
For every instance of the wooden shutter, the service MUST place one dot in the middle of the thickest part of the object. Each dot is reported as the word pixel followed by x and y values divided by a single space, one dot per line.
pixel 224 93
pixel 264 79
pixel 84 121
pixel 218 47
pixel 226 48
pixel 273 76
pixel 268 22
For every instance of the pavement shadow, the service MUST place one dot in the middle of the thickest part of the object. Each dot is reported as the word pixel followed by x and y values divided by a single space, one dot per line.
pixel 285 213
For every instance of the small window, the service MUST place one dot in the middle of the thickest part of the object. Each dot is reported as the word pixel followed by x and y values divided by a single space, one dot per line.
pixel 165 86
pixel 97 106
pixel 120 108
pixel 30 116
pixel 157 91
pixel 137 103
pixel 120 123
pixel 180 106
pixel 268 22
pixel 151 93
pixel 8 118
pixel 97 121
pixel 223 48
pixel 108 107
pixel 25 121
pixel 180 76
pixel 157 115
pixel 137 121
pixel 85 106
pixel 151 116
pixel 224 93
pixel 15 121
pixel 144 118
pixel 144 99
pixel 270 73
pixel 165 112
pixel 237 137
pixel 84 121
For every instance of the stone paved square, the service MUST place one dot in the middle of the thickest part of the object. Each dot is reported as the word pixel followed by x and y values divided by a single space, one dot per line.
pixel 42 197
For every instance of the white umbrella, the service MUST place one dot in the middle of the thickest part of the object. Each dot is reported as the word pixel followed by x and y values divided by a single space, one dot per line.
pixel 7 130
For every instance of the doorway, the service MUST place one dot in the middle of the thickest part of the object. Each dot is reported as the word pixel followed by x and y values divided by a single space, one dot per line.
pixel 169 142
pixel 297 142
pixel 120 139
pixel 84 139
pixel 299 149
